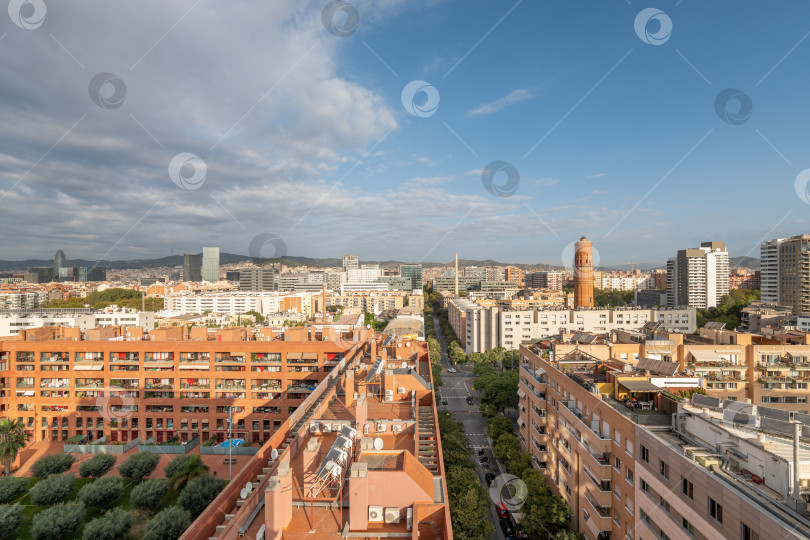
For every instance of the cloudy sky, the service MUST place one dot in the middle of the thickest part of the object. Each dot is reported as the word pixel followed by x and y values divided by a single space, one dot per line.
pixel 137 129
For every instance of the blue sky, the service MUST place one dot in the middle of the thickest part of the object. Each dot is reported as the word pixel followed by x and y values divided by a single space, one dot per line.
pixel 613 138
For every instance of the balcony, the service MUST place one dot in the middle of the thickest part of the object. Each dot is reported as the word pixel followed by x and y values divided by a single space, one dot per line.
pixel 195 395
pixel 601 484
pixel 301 387
pixel 265 358
pixel 158 395
pixel 195 358
pixel 124 357
pixel 230 359
pixel 158 358
pixel 600 509
pixel 97 383
pixel 195 385
pixel 128 384
pixel 95 357
pixel 54 358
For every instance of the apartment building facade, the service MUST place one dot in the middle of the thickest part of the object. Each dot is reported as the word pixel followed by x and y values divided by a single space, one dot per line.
pixel 545 280
pixel 698 277
pixel 785 273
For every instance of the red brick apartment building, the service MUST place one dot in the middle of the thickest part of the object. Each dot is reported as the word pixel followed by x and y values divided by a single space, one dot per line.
pixel 171 382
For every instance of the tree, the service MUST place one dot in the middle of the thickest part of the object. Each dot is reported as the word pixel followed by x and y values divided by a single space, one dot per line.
pixel 139 465
pixel 176 465
pixel 498 426
pixel 199 493
pixel 113 525
pixel 167 524
pixel 53 489
pixel 97 466
pixel 52 464
pixel 102 492
pixel 13 438
pixel 12 488
pixel 10 519
pixel 57 522
pixel 469 504
pixel 147 495
pixel 258 317
pixel 192 468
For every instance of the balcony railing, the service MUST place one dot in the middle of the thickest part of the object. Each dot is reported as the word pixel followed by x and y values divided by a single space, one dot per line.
pixel 603 511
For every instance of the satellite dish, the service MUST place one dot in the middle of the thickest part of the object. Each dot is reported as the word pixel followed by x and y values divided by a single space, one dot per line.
pixel 404 365
pixel 378 443
pixel 249 487
pixel 243 493
pixel 274 454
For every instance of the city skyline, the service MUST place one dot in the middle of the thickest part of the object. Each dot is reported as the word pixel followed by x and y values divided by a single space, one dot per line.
pixel 614 129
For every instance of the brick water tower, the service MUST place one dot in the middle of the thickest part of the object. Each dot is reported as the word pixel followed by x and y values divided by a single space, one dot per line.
pixel 583 273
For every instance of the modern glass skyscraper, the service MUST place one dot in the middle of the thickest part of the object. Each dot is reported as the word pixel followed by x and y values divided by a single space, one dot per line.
pixel 414 272
pixel 210 264
pixel 192 267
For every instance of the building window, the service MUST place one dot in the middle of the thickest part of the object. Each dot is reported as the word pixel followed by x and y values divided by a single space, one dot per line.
pixel 690 529
pixel 715 510
pixel 687 488
pixel 663 469
pixel 645 454
pixel 748 533
pixel 665 505
pixel 629 477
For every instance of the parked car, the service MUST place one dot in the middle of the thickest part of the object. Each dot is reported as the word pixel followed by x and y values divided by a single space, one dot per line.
pixel 483 459
pixel 480 451
pixel 444 402
pixel 470 400
pixel 507 527
pixel 503 513
pixel 453 370
pixel 489 478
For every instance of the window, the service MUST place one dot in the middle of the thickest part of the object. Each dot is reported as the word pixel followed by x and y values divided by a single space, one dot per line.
pixel 689 527
pixel 617 463
pixel 629 477
pixel 664 504
pixel 715 510
pixel 687 488
pixel 663 469
pixel 748 534
pixel 645 454
pixel 645 487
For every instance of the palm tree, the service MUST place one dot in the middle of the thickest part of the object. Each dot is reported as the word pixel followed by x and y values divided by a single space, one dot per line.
pixel 13 438
pixel 193 468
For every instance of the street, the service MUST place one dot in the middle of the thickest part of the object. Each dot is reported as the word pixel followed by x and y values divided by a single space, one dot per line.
pixel 457 386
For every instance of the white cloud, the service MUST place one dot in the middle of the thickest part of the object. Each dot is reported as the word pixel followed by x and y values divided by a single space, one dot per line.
pixel 513 97
pixel 594 176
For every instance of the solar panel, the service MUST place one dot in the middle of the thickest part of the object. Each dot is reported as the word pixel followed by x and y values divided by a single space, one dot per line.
pixel 705 401
pixel 770 412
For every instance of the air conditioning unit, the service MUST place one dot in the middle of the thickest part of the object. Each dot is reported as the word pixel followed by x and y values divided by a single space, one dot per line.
pixel 409 519
pixel 401 390
pixel 396 428
pixel 389 392
pixel 326 428
pixel 375 514
pixel 336 427
pixel 381 427
pixel 366 429
pixel 392 515
pixel 389 398
pixel 314 427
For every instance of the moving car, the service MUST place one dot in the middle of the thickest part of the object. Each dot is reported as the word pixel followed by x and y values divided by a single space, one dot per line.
pixel 470 400
pixel 503 513
pixel 453 370
pixel 507 527
pixel 489 478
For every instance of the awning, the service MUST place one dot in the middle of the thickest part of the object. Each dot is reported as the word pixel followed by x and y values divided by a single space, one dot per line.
pixel 639 386
pixel 705 356
pixel 293 356
pixel 27 393
pixel 88 367
pixel 309 356
pixel 521 393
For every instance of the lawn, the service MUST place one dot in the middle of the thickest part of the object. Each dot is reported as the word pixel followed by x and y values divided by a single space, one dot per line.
pixel 141 517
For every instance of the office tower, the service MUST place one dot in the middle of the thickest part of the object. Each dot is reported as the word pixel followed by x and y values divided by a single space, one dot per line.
pixel 264 278
pixel 210 264
pixel 232 275
pixel 192 267
pixel 785 273
pixel 60 264
pixel 368 273
pixel 414 272
pixel 350 262
pixel 698 277
pixel 583 273
pixel 39 274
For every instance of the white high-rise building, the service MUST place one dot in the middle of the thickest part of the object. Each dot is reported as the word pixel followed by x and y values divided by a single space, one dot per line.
pixel 368 273
pixel 769 271
pixel 210 264
pixel 698 277
pixel 350 262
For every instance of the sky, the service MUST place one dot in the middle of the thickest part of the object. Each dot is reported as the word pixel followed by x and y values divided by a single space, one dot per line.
pixel 407 130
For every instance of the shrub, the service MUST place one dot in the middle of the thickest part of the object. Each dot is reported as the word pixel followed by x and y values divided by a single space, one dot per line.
pixel 52 464
pixel 57 522
pixel 113 525
pixel 199 493
pixel 176 465
pixel 139 465
pixel 52 490
pixel 11 488
pixel 101 492
pixel 147 495
pixel 97 466
pixel 10 519
pixel 167 524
